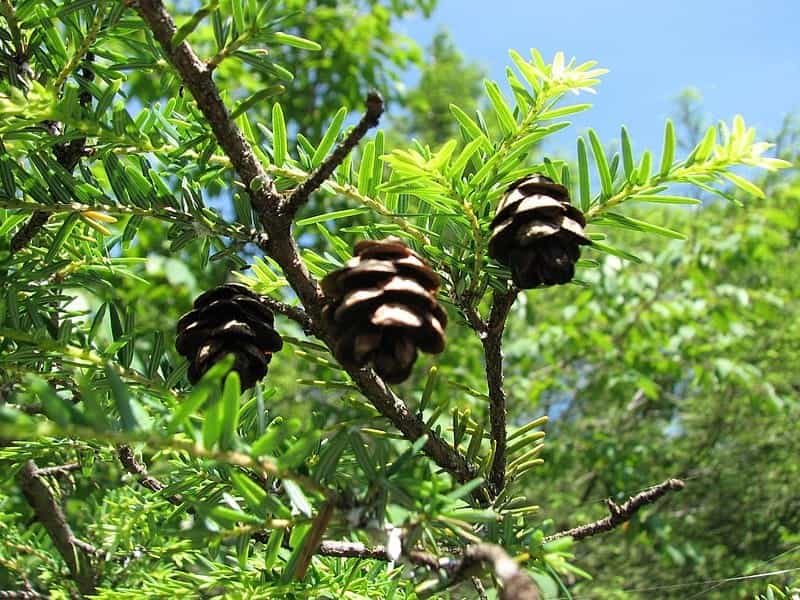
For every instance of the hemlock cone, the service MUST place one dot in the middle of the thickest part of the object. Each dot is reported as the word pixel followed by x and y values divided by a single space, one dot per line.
pixel 382 308
pixel 537 233
pixel 228 319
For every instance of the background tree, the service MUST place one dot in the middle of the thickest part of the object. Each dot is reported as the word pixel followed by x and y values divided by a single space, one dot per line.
pixel 147 155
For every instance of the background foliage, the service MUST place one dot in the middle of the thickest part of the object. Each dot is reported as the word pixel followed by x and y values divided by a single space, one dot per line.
pixel 673 355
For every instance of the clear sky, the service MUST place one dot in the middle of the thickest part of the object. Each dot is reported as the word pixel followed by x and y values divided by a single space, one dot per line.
pixel 742 55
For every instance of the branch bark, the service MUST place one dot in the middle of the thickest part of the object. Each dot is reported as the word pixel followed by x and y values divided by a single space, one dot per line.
pixel 516 584
pixel 492 342
pixel 620 513
pixel 76 553
pixel 276 218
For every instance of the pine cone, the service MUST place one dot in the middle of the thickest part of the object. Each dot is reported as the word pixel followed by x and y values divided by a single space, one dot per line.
pixel 228 319
pixel 537 233
pixel 382 308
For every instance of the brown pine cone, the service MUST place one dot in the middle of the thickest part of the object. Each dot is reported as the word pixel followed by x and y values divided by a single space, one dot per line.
pixel 228 319
pixel 537 233
pixel 382 308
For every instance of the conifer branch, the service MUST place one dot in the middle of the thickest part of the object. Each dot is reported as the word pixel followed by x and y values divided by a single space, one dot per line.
pixel 279 243
pixel 76 553
pixel 620 513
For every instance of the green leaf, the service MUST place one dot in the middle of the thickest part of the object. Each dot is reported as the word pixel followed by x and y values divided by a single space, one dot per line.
pixel 365 169
pixel 470 127
pixel 505 116
pixel 279 135
pixel 212 424
pixel 230 517
pixel 259 96
pixel 300 534
pixel 615 251
pixel 329 138
pixel 465 489
pixel 706 146
pixel 297 497
pixel 563 111
pixel 193 22
pixel 602 164
pixel 363 457
pixel 332 216
pixel 744 185
pixel 273 548
pixel 627 155
pixel 277 432
pixel 230 411
pixel 668 149
pixel 254 495
pixel 299 451
pixel 639 225
pixel 655 198
pixel 329 455
pixel 131 413
pixel 295 41
pixel 63 233
pixel 583 175
pixel 644 168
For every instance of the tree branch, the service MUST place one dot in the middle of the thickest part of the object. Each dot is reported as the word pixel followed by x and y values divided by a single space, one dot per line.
pixel 492 342
pixel 279 243
pixel 620 513
pixel 21 595
pixel 298 315
pixel 516 585
pixel 57 470
pixel 76 553
pixel 337 549
pixel 28 231
pixel 369 120
pixel 128 460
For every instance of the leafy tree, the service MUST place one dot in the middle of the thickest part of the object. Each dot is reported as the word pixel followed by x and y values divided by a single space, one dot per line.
pixel 123 198
pixel 445 76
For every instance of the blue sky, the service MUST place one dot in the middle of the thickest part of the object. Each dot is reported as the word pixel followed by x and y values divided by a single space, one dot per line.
pixel 742 55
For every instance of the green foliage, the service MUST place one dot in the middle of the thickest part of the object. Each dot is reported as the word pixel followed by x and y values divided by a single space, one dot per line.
pixel 143 213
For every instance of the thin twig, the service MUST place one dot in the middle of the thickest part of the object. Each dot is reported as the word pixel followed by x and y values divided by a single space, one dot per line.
pixel 370 119
pixel 516 585
pixel 314 539
pixel 620 513
pixel 57 470
pixel 342 549
pixel 89 39
pixel 27 232
pixel 493 352
pixel 478 585
pixel 296 314
pixel 76 553
pixel 21 595
pixel 128 460
pixel 279 244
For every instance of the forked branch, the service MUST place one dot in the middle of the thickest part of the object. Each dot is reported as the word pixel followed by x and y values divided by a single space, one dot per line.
pixel 620 513
pixel 279 243
pixel 77 554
